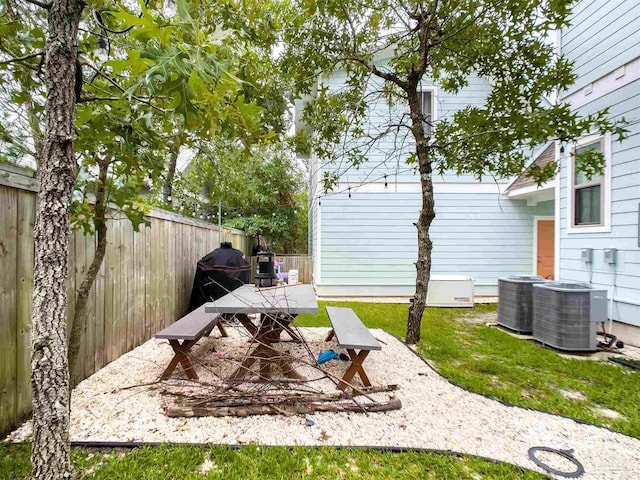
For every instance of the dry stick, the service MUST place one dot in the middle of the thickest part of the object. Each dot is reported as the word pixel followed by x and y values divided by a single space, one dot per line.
pixel 278 286
pixel 237 400
pixel 274 409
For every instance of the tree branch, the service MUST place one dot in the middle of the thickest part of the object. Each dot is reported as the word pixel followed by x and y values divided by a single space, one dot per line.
pixel 115 84
pixel 90 98
pixel 377 72
pixel 21 59
pixel 45 5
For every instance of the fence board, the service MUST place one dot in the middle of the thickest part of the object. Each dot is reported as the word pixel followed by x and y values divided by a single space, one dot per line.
pixel 24 274
pixel 77 239
pixel 139 305
pixel 90 320
pixel 110 287
pixel 99 354
pixel 128 282
pixel 8 323
pixel 144 283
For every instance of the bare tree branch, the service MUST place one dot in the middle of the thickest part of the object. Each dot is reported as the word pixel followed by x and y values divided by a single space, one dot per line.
pixel 377 72
pixel 21 59
pixel 45 5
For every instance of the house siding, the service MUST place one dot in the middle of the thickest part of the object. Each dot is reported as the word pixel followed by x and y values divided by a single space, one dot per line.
pixel 369 240
pixel 625 203
pixel 602 36
pixel 387 158
pixel 314 218
pixel 368 243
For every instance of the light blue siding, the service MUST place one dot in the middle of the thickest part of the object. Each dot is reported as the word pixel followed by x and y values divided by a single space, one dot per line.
pixel 625 201
pixel 389 155
pixel 603 35
pixel 370 239
pixel 313 222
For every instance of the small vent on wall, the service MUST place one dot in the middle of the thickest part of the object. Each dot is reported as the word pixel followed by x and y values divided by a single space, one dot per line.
pixel 588 89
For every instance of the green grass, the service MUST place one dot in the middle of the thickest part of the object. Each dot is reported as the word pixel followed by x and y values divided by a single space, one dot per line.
pixel 251 462
pixel 491 362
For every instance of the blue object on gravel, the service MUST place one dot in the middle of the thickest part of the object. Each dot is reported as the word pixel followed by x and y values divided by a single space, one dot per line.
pixel 327 355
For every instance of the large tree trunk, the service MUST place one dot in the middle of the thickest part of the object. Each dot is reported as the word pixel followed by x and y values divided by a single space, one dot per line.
pixel 427 214
pixel 100 222
pixel 49 369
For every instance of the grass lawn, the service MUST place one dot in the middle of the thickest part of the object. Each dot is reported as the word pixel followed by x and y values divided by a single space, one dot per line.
pixel 185 463
pixel 491 362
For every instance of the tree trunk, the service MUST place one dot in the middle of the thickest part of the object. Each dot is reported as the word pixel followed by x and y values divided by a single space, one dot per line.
pixel 49 369
pixel 100 222
pixel 427 214
pixel 167 188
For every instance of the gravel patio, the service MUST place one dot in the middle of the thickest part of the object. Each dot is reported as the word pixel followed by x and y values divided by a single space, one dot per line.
pixel 121 403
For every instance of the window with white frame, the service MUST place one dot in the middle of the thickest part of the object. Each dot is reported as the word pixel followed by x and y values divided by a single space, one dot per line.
pixel 426 102
pixel 587 193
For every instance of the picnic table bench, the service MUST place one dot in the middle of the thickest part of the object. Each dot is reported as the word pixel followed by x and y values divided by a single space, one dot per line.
pixel 352 335
pixel 184 334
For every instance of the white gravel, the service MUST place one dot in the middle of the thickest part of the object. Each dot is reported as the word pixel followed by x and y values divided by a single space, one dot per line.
pixel 435 414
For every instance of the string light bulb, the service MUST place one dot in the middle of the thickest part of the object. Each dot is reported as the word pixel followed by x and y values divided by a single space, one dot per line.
pixel 170 8
pixel 385 181
pixel 349 192
pixel 102 45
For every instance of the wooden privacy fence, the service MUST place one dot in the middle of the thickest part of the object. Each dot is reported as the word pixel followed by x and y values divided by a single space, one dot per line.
pixel 143 285
pixel 302 263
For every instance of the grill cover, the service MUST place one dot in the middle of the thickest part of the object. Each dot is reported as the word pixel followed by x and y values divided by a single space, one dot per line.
pixel 217 274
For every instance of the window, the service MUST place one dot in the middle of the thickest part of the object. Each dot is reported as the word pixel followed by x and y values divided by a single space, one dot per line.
pixel 587 192
pixel 588 199
pixel 426 102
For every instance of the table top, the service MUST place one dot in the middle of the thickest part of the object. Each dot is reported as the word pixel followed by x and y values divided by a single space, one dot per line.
pixel 292 299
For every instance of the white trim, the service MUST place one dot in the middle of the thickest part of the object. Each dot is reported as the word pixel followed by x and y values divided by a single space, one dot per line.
pixel 531 189
pixel 481 289
pixel 603 85
pixel 536 219
pixel 319 243
pixel 415 187
pixel 606 185
pixel 434 103
pixel 530 162
pixel 557 219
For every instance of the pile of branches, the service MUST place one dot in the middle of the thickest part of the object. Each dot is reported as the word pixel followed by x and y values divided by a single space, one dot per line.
pixel 243 404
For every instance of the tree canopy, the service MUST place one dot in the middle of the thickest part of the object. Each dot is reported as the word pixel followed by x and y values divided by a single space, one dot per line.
pixel 386 51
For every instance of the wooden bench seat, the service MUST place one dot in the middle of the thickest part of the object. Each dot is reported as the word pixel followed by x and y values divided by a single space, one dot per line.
pixel 184 334
pixel 352 335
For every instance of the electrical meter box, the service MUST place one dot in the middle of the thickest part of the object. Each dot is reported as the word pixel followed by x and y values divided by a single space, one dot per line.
pixel 587 255
pixel 610 255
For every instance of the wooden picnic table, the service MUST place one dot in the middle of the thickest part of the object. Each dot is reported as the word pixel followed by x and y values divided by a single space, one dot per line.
pixel 277 308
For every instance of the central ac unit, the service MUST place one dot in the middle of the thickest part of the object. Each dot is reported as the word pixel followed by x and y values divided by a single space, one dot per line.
pixel 515 302
pixel 565 315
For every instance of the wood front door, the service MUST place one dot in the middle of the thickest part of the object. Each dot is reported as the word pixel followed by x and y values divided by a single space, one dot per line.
pixel 545 253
